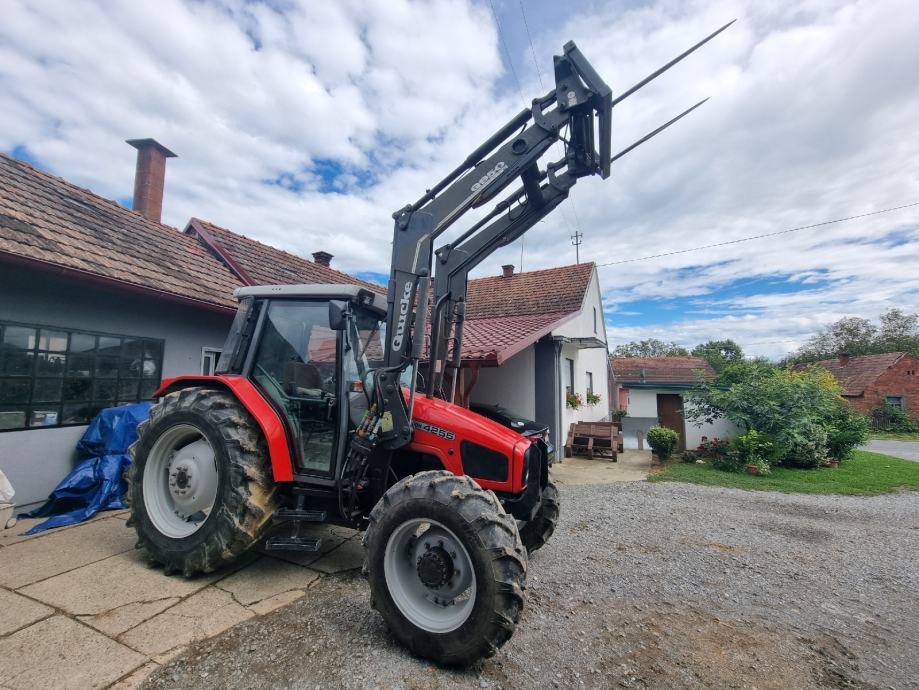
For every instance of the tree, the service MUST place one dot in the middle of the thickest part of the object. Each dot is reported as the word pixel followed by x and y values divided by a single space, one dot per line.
pixel 652 347
pixel 853 335
pixel 719 353
pixel 899 331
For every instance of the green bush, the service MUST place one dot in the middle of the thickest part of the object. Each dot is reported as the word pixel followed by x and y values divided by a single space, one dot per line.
pixel 846 431
pixel 754 448
pixel 806 447
pixel 663 441
pixel 800 412
pixel 889 418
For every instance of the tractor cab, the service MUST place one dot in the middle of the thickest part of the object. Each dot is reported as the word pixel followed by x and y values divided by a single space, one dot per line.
pixel 308 350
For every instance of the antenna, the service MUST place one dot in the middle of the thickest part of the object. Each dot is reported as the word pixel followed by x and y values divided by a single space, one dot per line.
pixel 577 239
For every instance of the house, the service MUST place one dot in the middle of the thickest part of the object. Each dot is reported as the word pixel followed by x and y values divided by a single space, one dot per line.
pixel 99 302
pixel 531 339
pixel 650 390
pixel 872 381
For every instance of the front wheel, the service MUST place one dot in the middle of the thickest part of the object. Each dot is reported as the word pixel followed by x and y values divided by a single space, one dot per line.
pixel 446 567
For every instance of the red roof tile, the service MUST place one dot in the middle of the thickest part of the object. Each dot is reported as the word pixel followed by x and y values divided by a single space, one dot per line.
pixel 549 291
pixel 663 370
pixel 495 340
pixel 860 372
pixel 262 264
pixel 47 220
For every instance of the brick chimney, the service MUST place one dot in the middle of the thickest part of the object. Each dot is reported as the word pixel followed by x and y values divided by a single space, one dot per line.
pixel 508 270
pixel 844 358
pixel 322 258
pixel 149 177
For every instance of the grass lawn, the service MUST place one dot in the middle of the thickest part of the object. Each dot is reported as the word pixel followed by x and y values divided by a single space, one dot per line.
pixel 894 436
pixel 862 474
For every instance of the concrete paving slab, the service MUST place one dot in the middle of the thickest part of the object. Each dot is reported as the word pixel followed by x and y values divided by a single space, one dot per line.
pixel 266 578
pixel 136 679
pixel 202 615
pixel 15 534
pixel 37 559
pixel 117 593
pixel 348 556
pixel 19 611
pixel 907 450
pixel 277 601
pixel 631 466
pixel 59 654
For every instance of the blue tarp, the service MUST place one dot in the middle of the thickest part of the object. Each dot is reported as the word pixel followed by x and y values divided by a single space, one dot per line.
pixel 96 483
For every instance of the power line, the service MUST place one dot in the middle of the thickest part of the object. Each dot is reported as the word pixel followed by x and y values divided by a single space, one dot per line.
pixel 758 237
pixel 526 24
pixel 507 53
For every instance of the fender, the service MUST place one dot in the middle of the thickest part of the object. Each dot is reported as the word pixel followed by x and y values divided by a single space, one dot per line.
pixel 282 466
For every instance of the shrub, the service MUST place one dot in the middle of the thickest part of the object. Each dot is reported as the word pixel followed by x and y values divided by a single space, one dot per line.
pixel 801 412
pixel 663 441
pixel 717 452
pixel 753 448
pixel 806 448
pixel 846 431
pixel 889 418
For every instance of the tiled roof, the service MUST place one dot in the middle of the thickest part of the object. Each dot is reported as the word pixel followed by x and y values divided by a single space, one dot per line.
pixel 494 340
pixel 549 291
pixel 860 372
pixel 663 370
pixel 262 264
pixel 46 220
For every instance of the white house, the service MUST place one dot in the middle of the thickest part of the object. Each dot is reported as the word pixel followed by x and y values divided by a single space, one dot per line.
pixel 650 390
pixel 531 339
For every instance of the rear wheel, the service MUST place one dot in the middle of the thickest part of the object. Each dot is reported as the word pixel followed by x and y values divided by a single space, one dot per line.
pixel 535 533
pixel 199 485
pixel 446 567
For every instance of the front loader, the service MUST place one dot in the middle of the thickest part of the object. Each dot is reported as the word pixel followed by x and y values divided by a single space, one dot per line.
pixel 320 410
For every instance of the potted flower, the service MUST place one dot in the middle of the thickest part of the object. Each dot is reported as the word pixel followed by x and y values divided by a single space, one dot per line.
pixel 593 398
pixel 574 400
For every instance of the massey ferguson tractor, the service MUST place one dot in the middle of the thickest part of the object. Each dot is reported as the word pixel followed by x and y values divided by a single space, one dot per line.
pixel 331 404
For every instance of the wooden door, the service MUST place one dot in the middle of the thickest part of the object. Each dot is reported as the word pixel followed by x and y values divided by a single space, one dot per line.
pixel 670 415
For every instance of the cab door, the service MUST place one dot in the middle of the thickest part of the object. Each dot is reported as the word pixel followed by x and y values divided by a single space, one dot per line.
pixel 296 366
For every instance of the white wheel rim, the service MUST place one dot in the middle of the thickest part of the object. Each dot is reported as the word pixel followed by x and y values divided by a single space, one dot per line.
pixel 180 481
pixel 438 608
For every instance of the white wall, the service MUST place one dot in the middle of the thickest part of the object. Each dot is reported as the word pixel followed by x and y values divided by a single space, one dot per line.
pixel 35 460
pixel 643 415
pixel 594 360
pixel 512 385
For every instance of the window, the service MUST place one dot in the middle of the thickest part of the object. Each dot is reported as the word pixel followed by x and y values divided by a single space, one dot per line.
pixel 590 383
pixel 569 376
pixel 595 319
pixel 209 358
pixel 57 377
pixel 895 401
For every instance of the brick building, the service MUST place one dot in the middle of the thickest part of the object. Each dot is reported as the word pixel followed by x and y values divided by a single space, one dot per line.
pixel 871 381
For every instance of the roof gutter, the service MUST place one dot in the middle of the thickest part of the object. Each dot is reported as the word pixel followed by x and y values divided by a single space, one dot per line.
pixel 96 279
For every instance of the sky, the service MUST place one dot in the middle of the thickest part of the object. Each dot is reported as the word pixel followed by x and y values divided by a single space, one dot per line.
pixel 306 124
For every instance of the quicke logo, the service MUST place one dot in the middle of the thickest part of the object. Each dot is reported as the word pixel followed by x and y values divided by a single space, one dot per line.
pixel 489 176
pixel 403 315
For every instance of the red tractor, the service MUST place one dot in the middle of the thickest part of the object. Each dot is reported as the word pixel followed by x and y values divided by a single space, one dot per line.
pixel 320 412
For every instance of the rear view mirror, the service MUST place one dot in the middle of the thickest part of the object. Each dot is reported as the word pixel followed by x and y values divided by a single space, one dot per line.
pixel 338 311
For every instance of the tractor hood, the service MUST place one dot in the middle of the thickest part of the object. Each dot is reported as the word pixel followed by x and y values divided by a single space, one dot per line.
pixel 455 419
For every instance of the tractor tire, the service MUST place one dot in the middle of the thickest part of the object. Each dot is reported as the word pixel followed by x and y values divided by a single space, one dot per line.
pixel 200 488
pixel 535 533
pixel 446 567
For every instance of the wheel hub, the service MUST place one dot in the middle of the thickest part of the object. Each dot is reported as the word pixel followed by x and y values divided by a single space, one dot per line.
pixel 192 479
pixel 435 568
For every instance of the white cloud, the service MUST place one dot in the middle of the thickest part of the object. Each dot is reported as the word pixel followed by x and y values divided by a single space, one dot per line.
pixel 812 117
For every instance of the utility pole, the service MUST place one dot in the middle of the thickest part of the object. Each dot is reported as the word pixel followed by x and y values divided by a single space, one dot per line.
pixel 576 239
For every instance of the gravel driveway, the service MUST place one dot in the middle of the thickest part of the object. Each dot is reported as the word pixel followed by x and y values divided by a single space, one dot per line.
pixel 908 450
pixel 643 586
